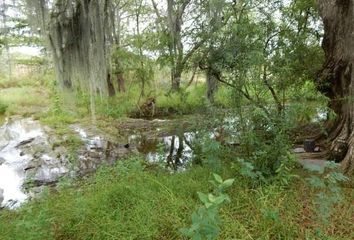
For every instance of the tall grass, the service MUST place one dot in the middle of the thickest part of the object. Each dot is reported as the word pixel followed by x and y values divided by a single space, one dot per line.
pixel 25 95
pixel 184 102
pixel 3 107
pixel 127 202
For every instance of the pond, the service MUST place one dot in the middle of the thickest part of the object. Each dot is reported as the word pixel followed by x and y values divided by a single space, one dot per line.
pixel 32 157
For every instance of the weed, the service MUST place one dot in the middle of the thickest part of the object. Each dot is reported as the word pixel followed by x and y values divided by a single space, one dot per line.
pixel 206 220
pixel 329 193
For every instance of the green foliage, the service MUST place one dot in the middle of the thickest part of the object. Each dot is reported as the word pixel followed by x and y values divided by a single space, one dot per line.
pixel 184 101
pixel 32 61
pixel 327 184
pixel 120 105
pixel 161 158
pixel 207 150
pixel 246 169
pixel 73 143
pixel 57 117
pixel 120 202
pixel 126 202
pixel 268 53
pixel 264 141
pixel 3 108
pixel 305 102
pixel 56 108
pixel 211 153
pixel 206 220
pixel 223 97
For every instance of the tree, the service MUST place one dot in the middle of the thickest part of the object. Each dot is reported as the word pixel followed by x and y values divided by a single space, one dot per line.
pixel 117 12
pixel 217 13
pixel 336 79
pixel 4 41
pixel 266 49
pixel 78 35
pixel 180 33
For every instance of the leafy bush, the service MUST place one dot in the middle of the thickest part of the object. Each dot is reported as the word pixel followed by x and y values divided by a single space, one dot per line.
pixel 223 96
pixel 264 141
pixel 206 220
pixel 183 102
pixel 327 183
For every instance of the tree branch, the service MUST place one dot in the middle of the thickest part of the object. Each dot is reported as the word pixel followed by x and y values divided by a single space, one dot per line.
pixel 243 93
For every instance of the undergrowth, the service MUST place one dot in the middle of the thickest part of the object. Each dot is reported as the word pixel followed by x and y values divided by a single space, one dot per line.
pixel 128 202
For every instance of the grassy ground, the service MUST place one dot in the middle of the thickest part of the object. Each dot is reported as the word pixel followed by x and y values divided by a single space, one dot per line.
pixel 126 202
pixel 25 95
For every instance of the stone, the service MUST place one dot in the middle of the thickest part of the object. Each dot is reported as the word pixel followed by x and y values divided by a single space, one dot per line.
pixel 25 142
pixel 299 150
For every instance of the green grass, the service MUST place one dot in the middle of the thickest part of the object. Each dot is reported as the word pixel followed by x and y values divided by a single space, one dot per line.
pixel 26 95
pixel 126 104
pixel 223 97
pixel 3 108
pixel 125 202
pixel 185 102
pixel 24 100
pixel 120 105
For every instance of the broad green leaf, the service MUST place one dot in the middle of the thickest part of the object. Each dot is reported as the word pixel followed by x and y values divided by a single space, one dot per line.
pixel 217 178
pixel 203 197
pixel 208 205
pixel 211 198
pixel 227 183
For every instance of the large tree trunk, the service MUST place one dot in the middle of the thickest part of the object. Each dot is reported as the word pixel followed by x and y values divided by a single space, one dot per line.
pixel 337 76
pixel 78 36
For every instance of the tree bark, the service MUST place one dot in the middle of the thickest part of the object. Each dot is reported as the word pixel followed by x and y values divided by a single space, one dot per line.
pixel 336 79
pixel 121 82
pixel 176 80
pixel 212 85
pixel 78 40
pixel 111 90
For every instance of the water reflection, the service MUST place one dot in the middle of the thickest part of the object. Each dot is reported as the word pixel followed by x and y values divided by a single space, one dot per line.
pixel 174 151
pixel 13 161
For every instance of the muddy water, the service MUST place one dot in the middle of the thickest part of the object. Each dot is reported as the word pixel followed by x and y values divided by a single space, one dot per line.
pixel 172 151
pixel 31 158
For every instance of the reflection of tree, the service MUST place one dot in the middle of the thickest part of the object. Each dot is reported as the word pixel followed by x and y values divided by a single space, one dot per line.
pixel 174 161
pixel 170 155
pixel 178 159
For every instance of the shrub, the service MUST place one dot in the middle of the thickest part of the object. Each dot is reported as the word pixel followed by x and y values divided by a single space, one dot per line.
pixel 329 193
pixel 183 102
pixel 264 141
pixel 206 220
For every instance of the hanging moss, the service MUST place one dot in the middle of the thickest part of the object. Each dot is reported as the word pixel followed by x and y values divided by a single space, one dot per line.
pixel 76 33
pixel 77 39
